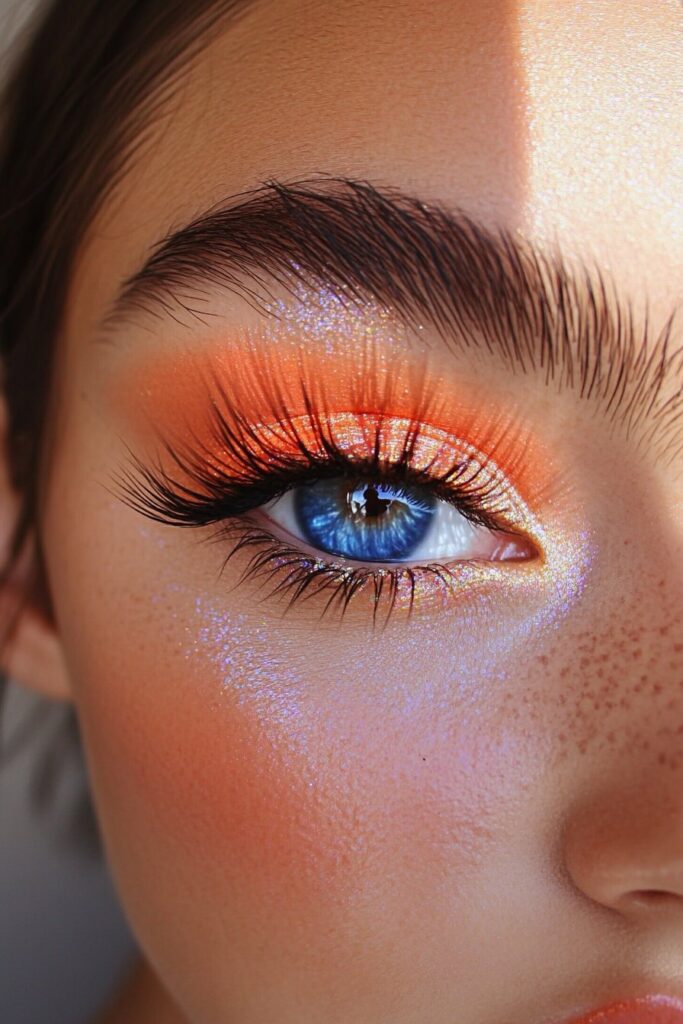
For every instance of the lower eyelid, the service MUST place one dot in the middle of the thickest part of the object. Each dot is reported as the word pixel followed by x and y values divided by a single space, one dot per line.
pixel 288 574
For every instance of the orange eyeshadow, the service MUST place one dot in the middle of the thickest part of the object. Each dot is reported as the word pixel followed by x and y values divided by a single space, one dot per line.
pixel 169 396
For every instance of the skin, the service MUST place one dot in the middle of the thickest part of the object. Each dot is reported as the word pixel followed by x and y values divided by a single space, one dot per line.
pixel 454 820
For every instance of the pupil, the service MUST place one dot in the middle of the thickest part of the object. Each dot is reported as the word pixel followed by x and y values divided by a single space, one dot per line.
pixel 374 505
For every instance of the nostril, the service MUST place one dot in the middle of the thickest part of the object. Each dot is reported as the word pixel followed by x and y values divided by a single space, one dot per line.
pixel 656 897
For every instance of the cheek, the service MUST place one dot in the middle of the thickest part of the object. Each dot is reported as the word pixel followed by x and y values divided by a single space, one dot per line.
pixel 286 784
pixel 268 781
pixel 260 825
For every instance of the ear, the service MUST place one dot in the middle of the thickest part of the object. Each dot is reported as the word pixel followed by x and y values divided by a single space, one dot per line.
pixel 32 653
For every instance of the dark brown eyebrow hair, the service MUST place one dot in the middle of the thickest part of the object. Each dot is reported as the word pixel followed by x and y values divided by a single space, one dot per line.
pixel 478 287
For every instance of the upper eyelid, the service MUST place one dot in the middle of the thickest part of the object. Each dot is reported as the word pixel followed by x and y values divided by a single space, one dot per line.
pixel 434 467
pixel 237 387
pixel 201 499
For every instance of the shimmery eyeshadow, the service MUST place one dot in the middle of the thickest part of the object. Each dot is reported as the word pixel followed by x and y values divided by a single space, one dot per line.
pixel 336 323
pixel 236 642
pixel 172 396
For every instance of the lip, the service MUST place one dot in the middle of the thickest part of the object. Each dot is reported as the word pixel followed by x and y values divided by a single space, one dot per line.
pixel 653 1009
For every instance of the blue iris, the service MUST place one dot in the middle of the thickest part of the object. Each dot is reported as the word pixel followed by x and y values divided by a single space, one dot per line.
pixel 364 520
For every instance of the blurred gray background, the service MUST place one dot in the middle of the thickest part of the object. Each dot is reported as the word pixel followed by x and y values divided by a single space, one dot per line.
pixel 64 944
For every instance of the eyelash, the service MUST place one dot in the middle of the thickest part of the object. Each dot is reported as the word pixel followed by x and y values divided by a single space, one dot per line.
pixel 254 470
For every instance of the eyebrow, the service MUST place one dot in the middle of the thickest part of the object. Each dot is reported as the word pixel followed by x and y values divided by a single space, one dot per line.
pixel 480 288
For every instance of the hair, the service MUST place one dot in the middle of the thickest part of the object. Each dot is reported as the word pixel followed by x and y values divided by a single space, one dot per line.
pixel 85 82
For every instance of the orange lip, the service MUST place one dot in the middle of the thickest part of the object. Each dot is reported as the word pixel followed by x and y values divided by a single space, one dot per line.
pixel 645 1010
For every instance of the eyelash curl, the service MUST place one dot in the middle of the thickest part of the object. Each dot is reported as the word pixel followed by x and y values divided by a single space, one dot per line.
pixel 237 466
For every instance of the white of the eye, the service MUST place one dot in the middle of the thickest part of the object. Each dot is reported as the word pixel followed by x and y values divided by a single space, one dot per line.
pixel 450 535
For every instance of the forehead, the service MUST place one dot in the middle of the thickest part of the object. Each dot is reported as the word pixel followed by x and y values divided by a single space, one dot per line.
pixel 557 120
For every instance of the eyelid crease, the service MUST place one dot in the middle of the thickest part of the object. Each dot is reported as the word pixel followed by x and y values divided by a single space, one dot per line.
pixel 179 395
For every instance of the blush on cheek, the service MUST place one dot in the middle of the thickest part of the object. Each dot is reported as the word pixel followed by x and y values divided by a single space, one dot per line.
pixel 233 794
pixel 216 789
pixel 225 799
pixel 265 810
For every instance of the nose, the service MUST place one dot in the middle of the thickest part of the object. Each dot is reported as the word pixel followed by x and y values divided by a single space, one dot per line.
pixel 622 832
pixel 624 849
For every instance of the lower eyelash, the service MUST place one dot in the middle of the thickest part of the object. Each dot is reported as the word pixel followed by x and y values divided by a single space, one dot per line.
pixel 294 575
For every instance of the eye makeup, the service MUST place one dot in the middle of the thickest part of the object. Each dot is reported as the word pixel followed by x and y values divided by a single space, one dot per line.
pixel 245 420
pixel 268 380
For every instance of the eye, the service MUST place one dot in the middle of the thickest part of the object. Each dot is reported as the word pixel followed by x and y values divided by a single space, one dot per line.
pixel 370 520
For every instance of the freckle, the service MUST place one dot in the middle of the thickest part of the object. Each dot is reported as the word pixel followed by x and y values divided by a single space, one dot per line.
pixel 610 736
pixel 678 648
